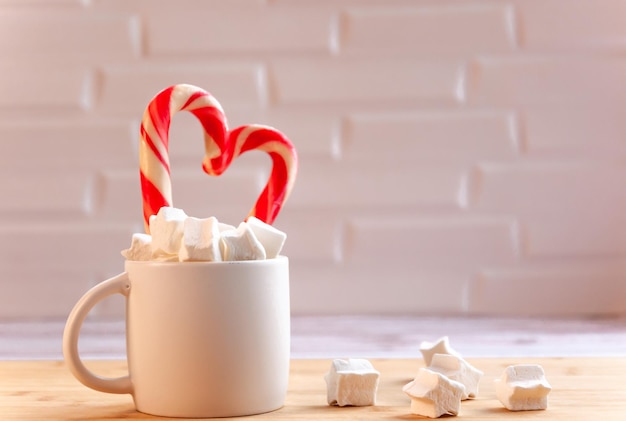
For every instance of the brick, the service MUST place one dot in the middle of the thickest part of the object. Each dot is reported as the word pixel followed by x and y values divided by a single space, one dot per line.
pixel 117 197
pixel 47 3
pixel 364 80
pixel 179 30
pixel 574 288
pixel 38 292
pixel 549 188
pixel 78 246
pixel 575 131
pixel 557 25
pixel 590 231
pixel 386 186
pixel 313 235
pixel 313 131
pixel 437 242
pixel 45 193
pixel 186 141
pixel 383 289
pixel 145 7
pixel 434 136
pixel 68 144
pixel 67 257
pixel 127 90
pixel 541 80
pixel 69 33
pixel 428 30
pixel 567 209
pixel 229 197
pixel 25 86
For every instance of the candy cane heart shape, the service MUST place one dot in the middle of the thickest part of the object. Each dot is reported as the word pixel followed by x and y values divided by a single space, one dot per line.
pixel 221 147
pixel 284 165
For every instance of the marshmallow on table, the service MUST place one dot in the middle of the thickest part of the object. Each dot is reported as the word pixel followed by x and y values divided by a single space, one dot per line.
pixel 201 240
pixel 441 346
pixel 523 387
pixel 352 382
pixel 166 228
pixel 433 394
pixel 456 368
pixel 140 248
pixel 271 238
pixel 241 244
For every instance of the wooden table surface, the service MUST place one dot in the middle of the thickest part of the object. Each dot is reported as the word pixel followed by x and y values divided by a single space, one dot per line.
pixel 583 389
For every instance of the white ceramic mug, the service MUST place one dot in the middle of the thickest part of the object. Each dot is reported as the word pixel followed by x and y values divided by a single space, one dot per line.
pixel 203 339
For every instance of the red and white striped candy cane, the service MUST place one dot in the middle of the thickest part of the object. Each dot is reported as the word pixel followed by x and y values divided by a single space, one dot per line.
pixel 154 163
pixel 284 165
pixel 221 147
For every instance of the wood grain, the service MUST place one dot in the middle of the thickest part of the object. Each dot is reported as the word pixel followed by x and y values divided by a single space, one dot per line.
pixel 583 389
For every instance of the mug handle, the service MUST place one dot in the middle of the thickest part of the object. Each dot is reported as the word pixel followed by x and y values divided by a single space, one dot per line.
pixel 117 285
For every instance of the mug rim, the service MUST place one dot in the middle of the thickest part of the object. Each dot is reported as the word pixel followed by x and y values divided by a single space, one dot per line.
pixel 277 259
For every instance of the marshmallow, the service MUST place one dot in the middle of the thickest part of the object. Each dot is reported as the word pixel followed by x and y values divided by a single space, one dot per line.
pixel 441 346
pixel 351 382
pixel 225 227
pixel 523 387
pixel 201 240
pixel 166 228
pixel 162 257
pixel 140 248
pixel 456 368
pixel 433 394
pixel 271 238
pixel 177 237
pixel 241 244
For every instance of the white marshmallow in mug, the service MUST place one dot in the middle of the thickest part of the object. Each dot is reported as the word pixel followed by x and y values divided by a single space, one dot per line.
pixel 166 228
pixel 225 227
pixel 433 394
pixel 201 240
pixel 241 244
pixel 523 387
pixel 352 382
pixel 271 238
pixel 456 368
pixel 140 247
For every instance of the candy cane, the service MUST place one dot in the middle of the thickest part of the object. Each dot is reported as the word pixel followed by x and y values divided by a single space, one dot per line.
pixel 221 147
pixel 284 165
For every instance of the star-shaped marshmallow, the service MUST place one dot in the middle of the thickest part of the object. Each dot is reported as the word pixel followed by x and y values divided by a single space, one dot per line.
pixel 241 244
pixel 140 248
pixel 271 238
pixel 456 368
pixel 166 228
pixel 433 394
pixel 201 240
pixel 441 346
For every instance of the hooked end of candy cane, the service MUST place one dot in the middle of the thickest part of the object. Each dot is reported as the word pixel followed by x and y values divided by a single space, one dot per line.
pixel 210 169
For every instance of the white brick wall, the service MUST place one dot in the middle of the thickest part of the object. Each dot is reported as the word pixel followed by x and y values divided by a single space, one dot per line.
pixel 461 157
